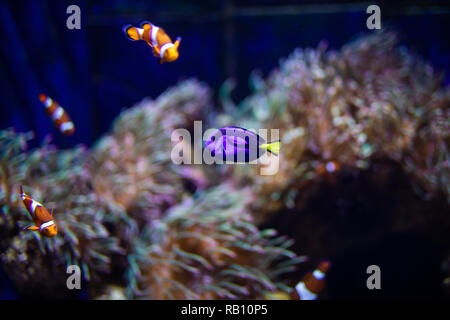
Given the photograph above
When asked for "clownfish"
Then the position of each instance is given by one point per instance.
(59, 116)
(157, 38)
(43, 219)
(312, 283)
(330, 167)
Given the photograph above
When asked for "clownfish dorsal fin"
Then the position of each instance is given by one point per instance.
(145, 24)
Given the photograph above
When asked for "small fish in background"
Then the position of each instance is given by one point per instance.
(329, 167)
(157, 38)
(59, 116)
(312, 283)
(328, 170)
(239, 145)
(43, 220)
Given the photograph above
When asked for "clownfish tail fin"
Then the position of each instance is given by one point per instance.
(131, 32)
(272, 147)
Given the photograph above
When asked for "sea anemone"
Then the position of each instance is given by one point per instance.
(343, 109)
(207, 247)
(60, 180)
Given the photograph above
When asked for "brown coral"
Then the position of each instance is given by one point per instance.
(370, 100)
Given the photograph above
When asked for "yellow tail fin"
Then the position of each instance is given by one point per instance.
(273, 147)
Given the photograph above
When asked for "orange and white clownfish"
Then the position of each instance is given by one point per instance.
(157, 38)
(59, 116)
(330, 167)
(43, 220)
(312, 283)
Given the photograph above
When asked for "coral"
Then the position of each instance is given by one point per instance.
(207, 247)
(359, 128)
(60, 179)
(141, 226)
(111, 201)
(341, 109)
(428, 158)
(132, 165)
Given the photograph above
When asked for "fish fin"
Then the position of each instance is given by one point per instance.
(273, 147)
(31, 228)
(22, 193)
(146, 24)
(177, 43)
(42, 97)
(131, 32)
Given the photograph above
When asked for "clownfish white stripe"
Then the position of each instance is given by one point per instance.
(46, 224)
(48, 102)
(154, 37)
(66, 126)
(319, 275)
(164, 48)
(34, 205)
(304, 293)
(140, 31)
(58, 113)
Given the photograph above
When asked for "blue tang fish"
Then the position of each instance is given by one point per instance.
(239, 145)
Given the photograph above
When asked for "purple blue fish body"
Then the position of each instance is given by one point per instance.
(238, 145)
